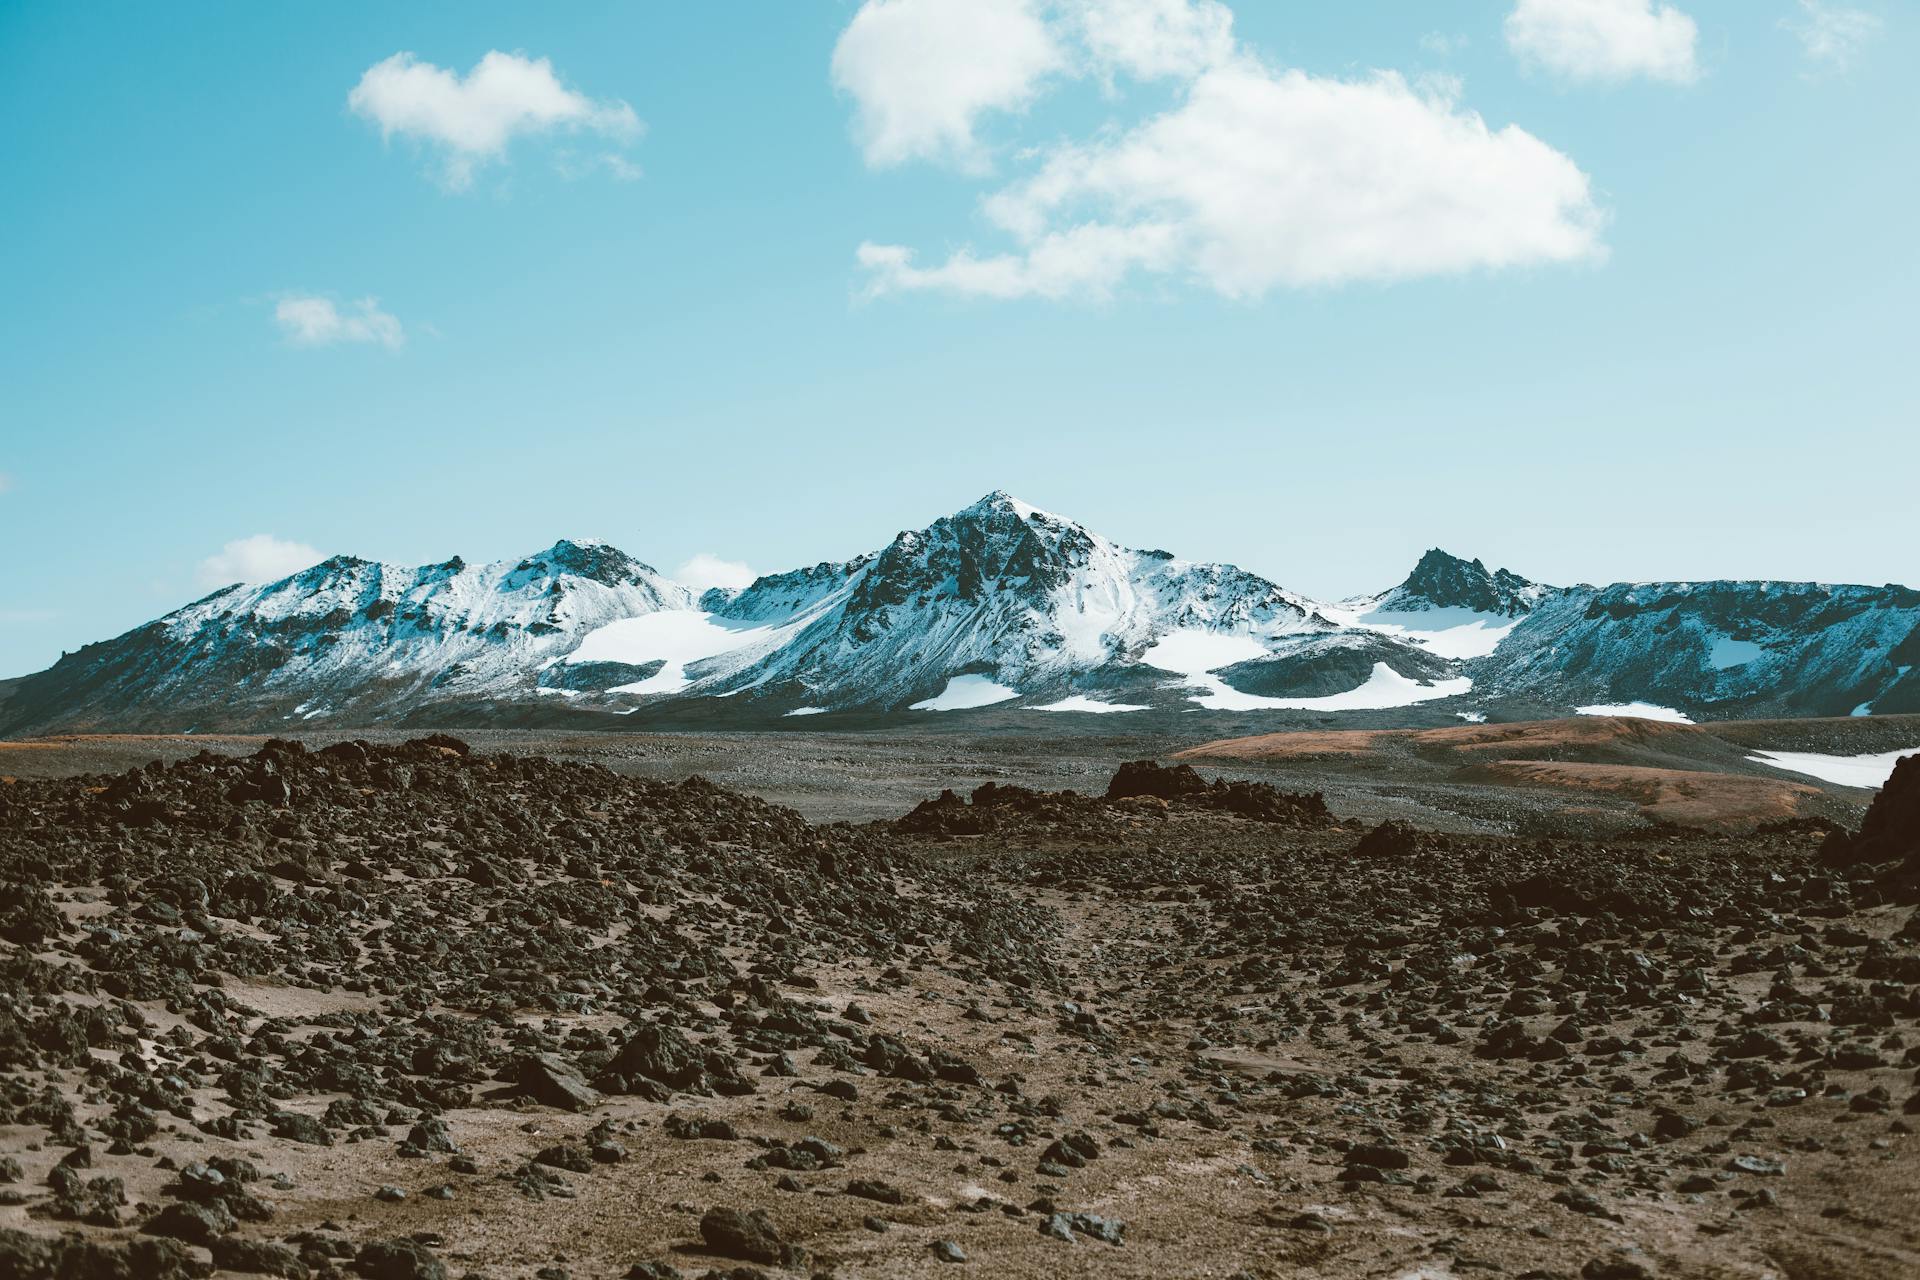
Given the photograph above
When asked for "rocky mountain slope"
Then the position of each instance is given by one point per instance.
(998, 604)
(1715, 649)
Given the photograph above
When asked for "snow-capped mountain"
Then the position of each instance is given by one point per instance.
(349, 639)
(998, 604)
(1003, 590)
(999, 601)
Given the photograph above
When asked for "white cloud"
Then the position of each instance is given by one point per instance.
(1256, 178)
(1604, 40)
(6, 482)
(1831, 36)
(1262, 179)
(261, 558)
(705, 571)
(1088, 260)
(922, 72)
(1154, 39)
(474, 118)
(309, 320)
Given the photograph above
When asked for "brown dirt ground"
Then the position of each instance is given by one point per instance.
(1523, 737)
(1681, 773)
(1717, 801)
(1199, 1202)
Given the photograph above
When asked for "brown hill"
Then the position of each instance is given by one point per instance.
(1522, 739)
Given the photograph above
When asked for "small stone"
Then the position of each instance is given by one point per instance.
(875, 1189)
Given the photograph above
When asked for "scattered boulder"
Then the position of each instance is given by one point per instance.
(749, 1236)
(551, 1081)
(398, 1260)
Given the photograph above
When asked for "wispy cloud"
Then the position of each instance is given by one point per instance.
(260, 558)
(310, 320)
(1605, 40)
(1833, 36)
(574, 166)
(704, 571)
(471, 119)
(6, 482)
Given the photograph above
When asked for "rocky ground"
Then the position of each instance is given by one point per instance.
(865, 776)
(413, 1009)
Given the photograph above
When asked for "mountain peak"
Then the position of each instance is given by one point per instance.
(568, 550)
(1446, 581)
(589, 558)
(1438, 564)
(1002, 501)
(333, 567)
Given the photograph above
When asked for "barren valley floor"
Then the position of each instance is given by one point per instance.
(539, 1006)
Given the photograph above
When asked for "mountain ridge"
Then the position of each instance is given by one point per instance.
(1000, 602)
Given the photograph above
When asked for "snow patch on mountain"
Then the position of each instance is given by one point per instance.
(1197, 655)
(1870, 771)
(965, 692)
(1635, 711)
(1385, 688)
(1444, 632)
(676, 639)
(1194, 653)
(1092, 706)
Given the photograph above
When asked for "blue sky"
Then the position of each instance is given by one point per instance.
(1595, 289)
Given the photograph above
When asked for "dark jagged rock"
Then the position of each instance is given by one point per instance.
(749, 1236)
(1391, 839)
(398, 1260)
(1150, 778)
(257, 1257)
(194, 1223)
(1446, 581)
(663, 1056)
(30, 1257)
(548, 1079)
(999, 807)
(1889, 835)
